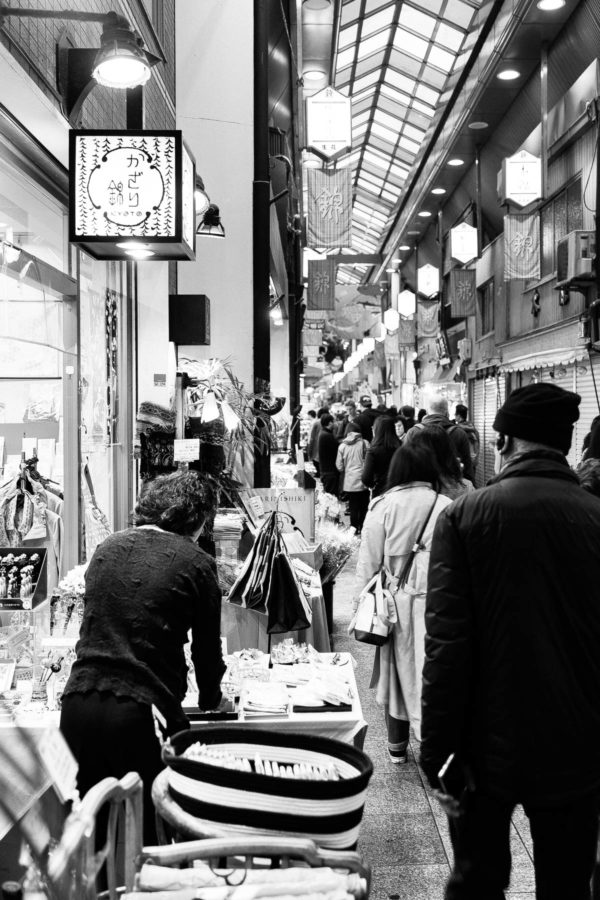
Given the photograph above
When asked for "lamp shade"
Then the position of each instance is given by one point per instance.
(121, 61)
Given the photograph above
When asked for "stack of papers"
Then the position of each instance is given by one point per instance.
(228, 526)
(262, 698)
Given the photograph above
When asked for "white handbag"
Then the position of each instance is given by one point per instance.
(374, 617)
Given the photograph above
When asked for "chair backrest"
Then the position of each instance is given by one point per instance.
(75, 862)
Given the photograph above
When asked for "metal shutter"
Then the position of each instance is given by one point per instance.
(588, 409)
(494, 398)
(477, 416)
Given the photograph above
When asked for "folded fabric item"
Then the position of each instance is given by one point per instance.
(164, 878)
(155, 417)
(240, 893)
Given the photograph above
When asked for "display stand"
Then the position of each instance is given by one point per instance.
(18, 596)
(246, 628)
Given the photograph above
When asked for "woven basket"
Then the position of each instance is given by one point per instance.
(237, 802)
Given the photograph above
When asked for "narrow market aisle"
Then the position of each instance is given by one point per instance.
(404, 834)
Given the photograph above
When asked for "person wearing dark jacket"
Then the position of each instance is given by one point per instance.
(379, 455)
(146, 588)
(366, 418)
(512, 670)
(437, 414)
(327, 450)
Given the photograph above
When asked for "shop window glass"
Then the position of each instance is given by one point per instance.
(561, 215)
(486, 309)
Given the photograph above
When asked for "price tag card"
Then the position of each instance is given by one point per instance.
(187, 449)
(257, 507)
(59, 762)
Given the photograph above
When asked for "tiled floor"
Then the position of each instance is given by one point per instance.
(404, 833)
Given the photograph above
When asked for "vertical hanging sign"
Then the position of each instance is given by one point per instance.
(321, 284)
(521, 247)
(131, 194)
(329, 208)
(329, 123)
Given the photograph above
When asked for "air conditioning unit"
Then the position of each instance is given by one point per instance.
(576, 258)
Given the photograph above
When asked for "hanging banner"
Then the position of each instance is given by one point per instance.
(462, 292)
(521, 247)
(329, 222)
(321, 284)
(427, 318)
(406, 333)
(521, 178)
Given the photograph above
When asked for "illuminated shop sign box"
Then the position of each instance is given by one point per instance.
(132, 194)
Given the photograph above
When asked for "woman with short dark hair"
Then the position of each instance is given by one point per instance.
(145, 589)
(390, 530)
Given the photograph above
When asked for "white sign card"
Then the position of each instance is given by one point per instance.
(329, 123)
(186, 449)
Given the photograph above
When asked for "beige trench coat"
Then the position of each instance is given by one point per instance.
(391, 527)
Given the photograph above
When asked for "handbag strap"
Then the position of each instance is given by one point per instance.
(416, 546)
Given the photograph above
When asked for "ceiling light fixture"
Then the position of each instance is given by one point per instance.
(424, 214)
(413, 232)
(478, 125)
(404, 247)
(438, 190)
(314, 75)
(508, 75)
(549, 5)
(456, 162)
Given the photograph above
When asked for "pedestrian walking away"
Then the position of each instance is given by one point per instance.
(512, 671)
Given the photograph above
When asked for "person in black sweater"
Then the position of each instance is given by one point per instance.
(328, 448)
(145, 589)
(379, 455)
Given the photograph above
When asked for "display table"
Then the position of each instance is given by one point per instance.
(348, 726)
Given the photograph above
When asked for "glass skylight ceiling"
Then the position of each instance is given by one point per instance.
(395, 58)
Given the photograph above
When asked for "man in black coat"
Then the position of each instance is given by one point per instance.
(511, 682)
(328, 448)
(437, 414)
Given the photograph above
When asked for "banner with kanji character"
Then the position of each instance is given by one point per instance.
(406, 332)
(329, 218)
(321, 284)
(427, 318)
(521, 247)
(462, 292)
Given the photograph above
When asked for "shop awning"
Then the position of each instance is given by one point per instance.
(446, 374)
(544, 359)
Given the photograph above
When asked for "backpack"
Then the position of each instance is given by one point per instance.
(473, 439)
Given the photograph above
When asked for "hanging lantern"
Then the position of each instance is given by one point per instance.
(369, 344)
(391, 319)
(210, 410)
(379, 332)
(407, 303)
(230, 418)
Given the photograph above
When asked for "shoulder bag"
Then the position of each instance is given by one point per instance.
(375, 614)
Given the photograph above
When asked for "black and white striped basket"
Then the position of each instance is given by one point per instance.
(247, 803)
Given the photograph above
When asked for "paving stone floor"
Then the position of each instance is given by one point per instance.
(404, 833)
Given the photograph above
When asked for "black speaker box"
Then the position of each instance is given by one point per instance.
(189, 319)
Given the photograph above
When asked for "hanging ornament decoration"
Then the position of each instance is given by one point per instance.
(230, 418)
(210, 410)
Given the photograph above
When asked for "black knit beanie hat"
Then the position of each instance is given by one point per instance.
(543, 413)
